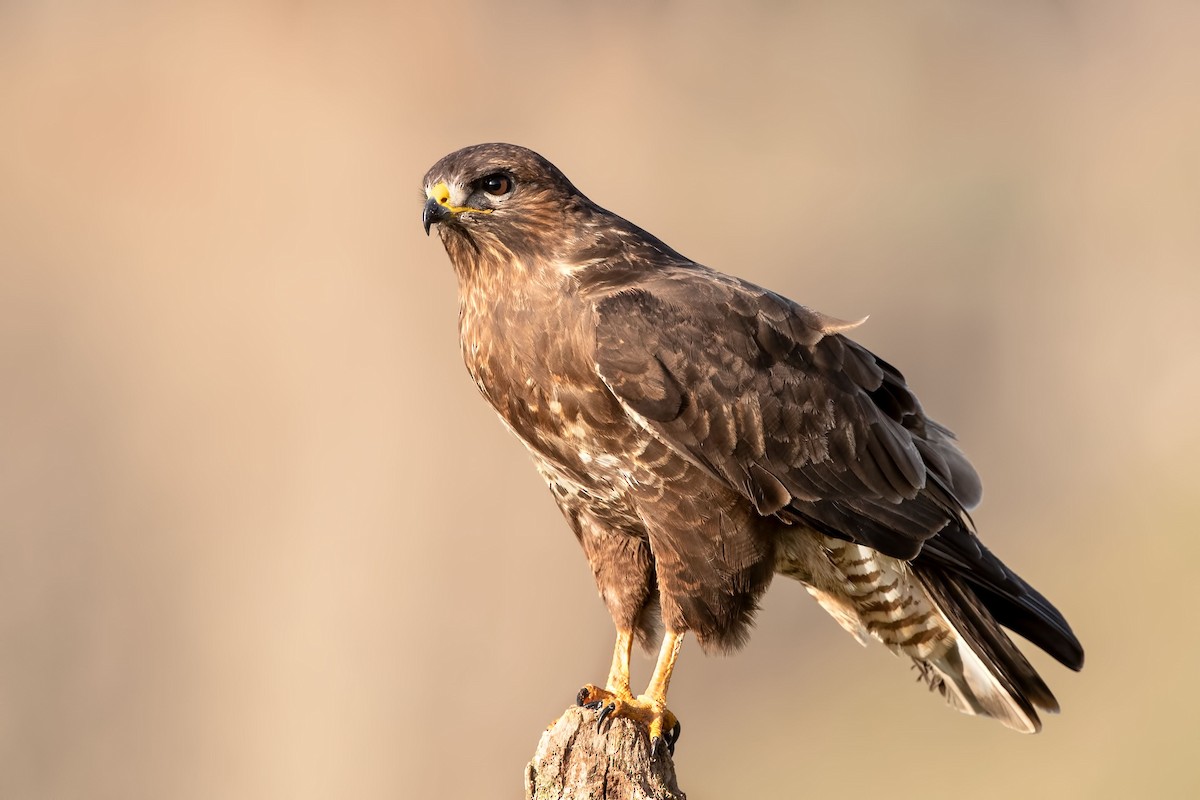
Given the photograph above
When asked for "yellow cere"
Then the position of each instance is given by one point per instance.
(441, 193)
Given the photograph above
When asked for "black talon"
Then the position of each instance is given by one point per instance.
(604, 712)
(594, 705)
(673, 736)
(583, 695)
(656, 746)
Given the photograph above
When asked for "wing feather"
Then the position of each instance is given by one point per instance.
(807, 425)
(751, 386)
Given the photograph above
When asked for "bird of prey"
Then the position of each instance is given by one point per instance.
(702, 434)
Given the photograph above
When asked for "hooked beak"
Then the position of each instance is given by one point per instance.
(434, 212)
(440, 204)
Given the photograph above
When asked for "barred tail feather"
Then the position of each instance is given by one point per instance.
(983, 672)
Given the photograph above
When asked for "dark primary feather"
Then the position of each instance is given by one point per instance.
(961, 604)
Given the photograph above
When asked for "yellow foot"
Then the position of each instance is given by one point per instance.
(655, 716)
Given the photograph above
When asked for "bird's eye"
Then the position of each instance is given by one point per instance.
(497, 184)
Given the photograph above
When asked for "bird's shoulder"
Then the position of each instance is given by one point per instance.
(694, 321)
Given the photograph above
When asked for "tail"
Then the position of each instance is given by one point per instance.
(944, 610)
(983, 672)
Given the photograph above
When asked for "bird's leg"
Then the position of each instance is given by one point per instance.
(664, 727)
(650, 708)
(618, 674)
(617, 685)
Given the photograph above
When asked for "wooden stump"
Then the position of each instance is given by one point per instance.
(574, 761)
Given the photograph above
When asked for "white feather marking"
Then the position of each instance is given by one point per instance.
(973, 689)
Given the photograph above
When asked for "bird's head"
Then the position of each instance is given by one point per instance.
(496, 197)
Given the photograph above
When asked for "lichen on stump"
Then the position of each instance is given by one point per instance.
(575, 761)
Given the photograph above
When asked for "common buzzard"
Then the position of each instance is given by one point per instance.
(702, 434)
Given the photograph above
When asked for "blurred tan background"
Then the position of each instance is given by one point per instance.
(259, 536)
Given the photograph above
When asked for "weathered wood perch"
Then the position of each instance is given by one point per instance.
(574, 761)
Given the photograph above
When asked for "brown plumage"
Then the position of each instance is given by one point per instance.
(702, 434)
